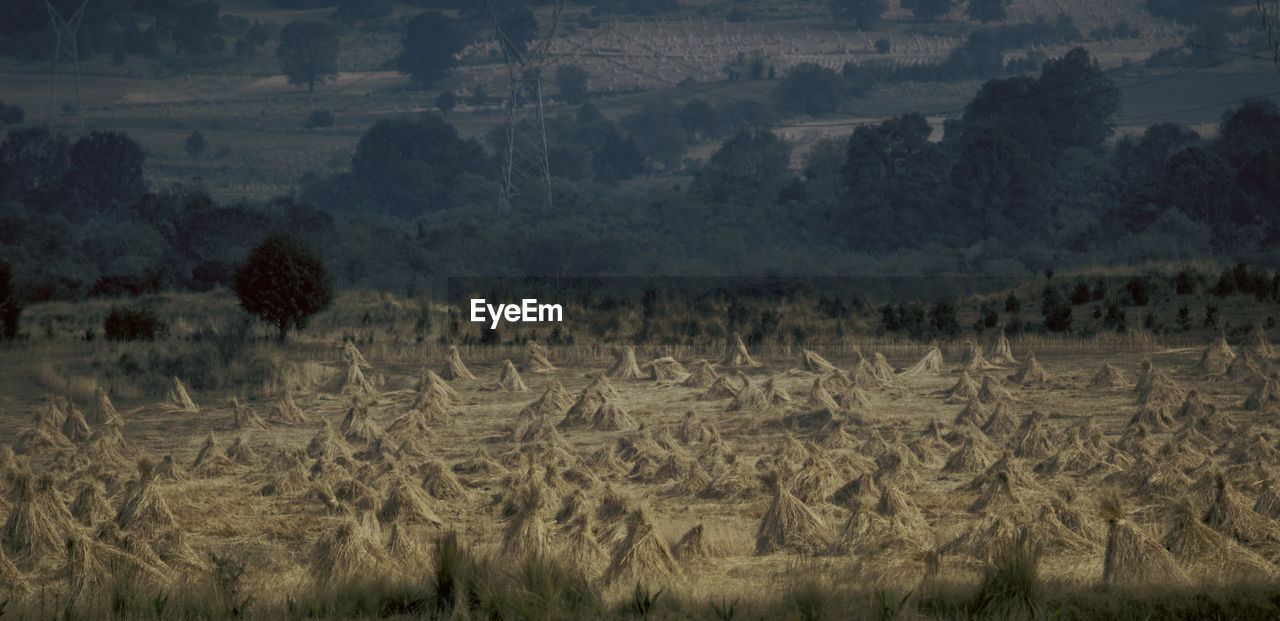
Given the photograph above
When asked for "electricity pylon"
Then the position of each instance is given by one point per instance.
(524, 157)
(65, 49)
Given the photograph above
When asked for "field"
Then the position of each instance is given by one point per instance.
(896, 474)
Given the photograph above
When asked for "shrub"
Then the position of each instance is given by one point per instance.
(283, 282)
(11, 114)
(883, 46)
(195, 145)
(1139, 290)
(319, 118)
(131, 323)
(1183, 284)
(1056, 311)
(1080, 295)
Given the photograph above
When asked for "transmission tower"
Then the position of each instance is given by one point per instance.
(525, 165)
(65, 50)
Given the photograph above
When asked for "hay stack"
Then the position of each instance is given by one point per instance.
(1001, 422)
(525, 535)
(997, 496)
(692, 545)
(789, 524)
(1208, 553)
(39, 523)
(351, 355)
(1227, 516)
(984, 539)
(883, 372)
(454, 369)
(245, 418)
(1268, 503)
(103, 413)
(581, 549)
(1131, 557)
(1245, 368)
(1154, 416)
(91, 507)
(970, 458)
(1216, 357)
(702, 376)
(358, 426)
(895, 505)
(774, 393)
(407, 503)
(1193, 408)
(625, 367)
(356, 385)
(11, 580)
(536, 360)
(326, 443)
(433, 391)
(239, 453)
(964, 390)
(75, 428)
(145, 511)
(1030, 373)
(814, 363)
(610, 417)
(285, 412)
(666, 369)
(930, 364)
(1001, 352)
(1265, 396)
(815, 481)
(352, 552)
(748, 398)
(1165, 479)
(696, 430)
(582, 413)
(643, 557)
(1033, 439)
(1155, 386)
(973, 361)
(735, 354)
(992, 391)
(178, 398)
(1108, 377)
(973, 414)
(1051, 535)
(820, 399)
(509, 380)
(864, 376)
(1258, 344)
(719, 389)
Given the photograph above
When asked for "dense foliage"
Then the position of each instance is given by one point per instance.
(283, 282)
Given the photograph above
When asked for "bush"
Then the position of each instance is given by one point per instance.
(284, 283)
(11, 114)
(133, 324)
(883, 46)
(1056, 311)
(1080, 295)
(319, 118)
(1183, 284)
(1139, 290)
(10, 310)
(195, 145)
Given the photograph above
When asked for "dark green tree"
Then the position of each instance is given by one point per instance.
(519, 28)
(927, 10)
(809, 88)
(572, 81)
(986, 11)
(195, 145)
(31, 159)
(197, 28)
(106, 170)
(284, 283)
(446, 102)
(866, 14)
(308, 52)
(430, 41)
(748, 167)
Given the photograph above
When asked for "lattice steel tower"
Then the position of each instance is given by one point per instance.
(65, 50)
(525, 166)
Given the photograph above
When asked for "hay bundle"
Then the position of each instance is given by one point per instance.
(406, 549)
(625, 366)
(789, 524)
(1216, 357)
(820, 399)
(702, 376)
(855, 400)
(1108, 377)
(411, 424)
(1245, 368)
(692, 545)
(103, 412)
(40, 441)
(1033, 439)
(643, 557)
(1001, 352)
(211, 463)
(601, 387)
(245, 418)
(1193, 407)
(356, 385)
(536, 358)
(1203, 549)
(433, 391)
(748, 398)
(352, 552)
(696, 430)
(177, 397)
(1048, 532)
(832, 436)
(858, 491)
(665, 369)
(897, 465)
(358, 426)
(145, 510)
(610, 417)
(407, 503)
(1154, 416)
(1268, 503)
(11, 580)
(1131, 557)
(973, 360)
(930, 364)
(992, 391)
(240, 453)
(1157, 387)
(75, 428)
(735, 354)
(965, 389)
(454, 369)
(983, 539)
(289, 474)
(583, 412)
(997, 496)
(970, 458)
(1258, 344)
(1164, 479)
(1001, 422)
(719, 389)
(973, 414)
(895, 505)
(508, 380)
(326, 443)
(815, 481)
(1073, 457)
(90, 506)
(285, 412)
(774, 393)
(581, 549)
(864, 376)
(1030, 373)
(814, 363)
(731, 483)
(440, 483)
(39, 523)
(480, 465)
(1265, 396)
(1229, 517)
(883, 372)
(554, 401)
(351, 355)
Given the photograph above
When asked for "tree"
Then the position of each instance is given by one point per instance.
(519, 27)
(283, 282)
(986, 11)
(195, 145)
(927, 10)
(748, 167)
(1078, 101)
(866, 14)
(356, 10)
(10, 310)
(810, 88)
(446, 102)
(430, 41)
(308, 52)
(31, 159)
(572, 82)
(106, 170)
(196, 29)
